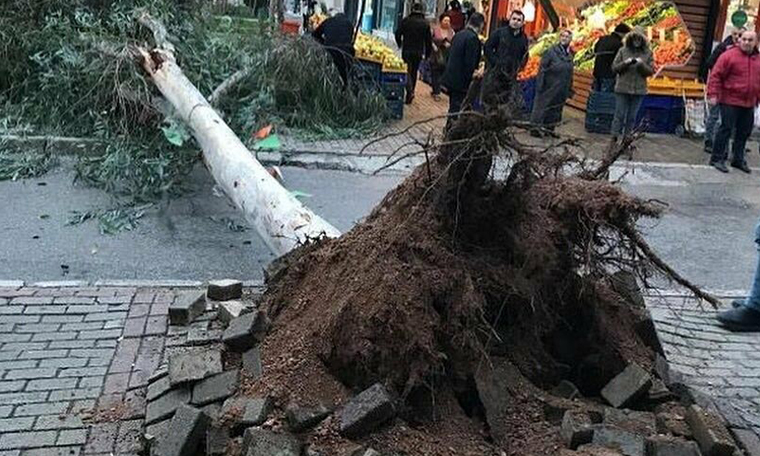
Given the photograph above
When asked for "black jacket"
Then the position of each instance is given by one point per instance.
(506, 51)
(719, 49)
(413, 36)
(605, 51)
(336, 32)
(464, 58)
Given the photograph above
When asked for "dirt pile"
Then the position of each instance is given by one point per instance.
(454, 274)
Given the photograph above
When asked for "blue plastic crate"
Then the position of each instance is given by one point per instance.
(393, 78)
(393, 91)
(528, 87)
(601, 103)
(659, 120)
(364, 69)
(662, 102)
(598, 122)
(396, 109)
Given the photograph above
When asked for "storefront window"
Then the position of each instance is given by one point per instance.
(388, 15)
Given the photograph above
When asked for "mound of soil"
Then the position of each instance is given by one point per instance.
(457, 277)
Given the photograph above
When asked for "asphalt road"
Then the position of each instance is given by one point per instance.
(706, 233)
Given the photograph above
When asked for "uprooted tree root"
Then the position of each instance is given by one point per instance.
(458, 277)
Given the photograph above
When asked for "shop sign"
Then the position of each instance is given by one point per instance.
(739, 18)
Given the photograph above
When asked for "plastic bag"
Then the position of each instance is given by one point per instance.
(695, 115)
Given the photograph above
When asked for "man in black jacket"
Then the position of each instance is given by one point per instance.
(337, 35)
(506, 52)
(605, 51)
(416, 42)
(713, 111)
(464, 59)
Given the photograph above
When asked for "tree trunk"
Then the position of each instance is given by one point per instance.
(278, 217)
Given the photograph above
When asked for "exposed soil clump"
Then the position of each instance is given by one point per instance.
(458, 282)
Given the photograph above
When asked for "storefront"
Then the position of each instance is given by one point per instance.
(677, 32)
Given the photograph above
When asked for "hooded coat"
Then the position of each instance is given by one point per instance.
(632, 77)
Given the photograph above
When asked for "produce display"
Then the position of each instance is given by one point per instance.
(371, 48)
(669, 39)
(316, 19)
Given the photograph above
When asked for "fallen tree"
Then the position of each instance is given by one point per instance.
(278, 217)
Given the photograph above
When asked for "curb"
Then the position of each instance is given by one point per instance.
(166, 283)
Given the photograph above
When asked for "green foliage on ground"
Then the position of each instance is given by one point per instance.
(68, 68)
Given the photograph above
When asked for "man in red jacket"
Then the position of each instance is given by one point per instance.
(735, 85)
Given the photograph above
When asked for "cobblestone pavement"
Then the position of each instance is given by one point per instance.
(723, 364)
(75, 359)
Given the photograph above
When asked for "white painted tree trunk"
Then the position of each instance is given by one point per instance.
(278, 217)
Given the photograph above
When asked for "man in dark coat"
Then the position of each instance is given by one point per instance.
(464, 59)
(554, 84)
(713, 111)
(337, 35)
(506, 52)
(416, 42)
(605, 51)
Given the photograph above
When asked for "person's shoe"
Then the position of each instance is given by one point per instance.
(436, 97)
(741, 318)
(409, 99)
(742, 166)
(720, 166)
(736, 303)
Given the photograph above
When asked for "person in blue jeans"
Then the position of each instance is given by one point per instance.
(633, 64)
(745, 315)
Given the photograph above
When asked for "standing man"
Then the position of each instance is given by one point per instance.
(415, 40)
(734, 84)
(713, 112)
(745, 315)
(605, 51)
(336, 33)
(464, 59)
(506, 52)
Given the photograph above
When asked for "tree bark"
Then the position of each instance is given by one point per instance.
(278, 217)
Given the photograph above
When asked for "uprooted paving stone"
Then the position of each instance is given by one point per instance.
(244, 332)
(577, 429)
(230, 310)
(224, 290)
(627, 386)
(263, 442)
(711, 434)
(671, 446)
(643, 423)
(303, 418)
(215, 388)
(194, 365)
(247, 411)
(187, 307)
(252, 363)
(628, 443)
(367, 411)
(186, 431)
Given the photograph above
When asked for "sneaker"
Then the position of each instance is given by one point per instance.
(742, 166)
(720, 166)
(742, 319)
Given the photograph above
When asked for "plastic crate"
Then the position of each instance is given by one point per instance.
(598, 122)
(365, 69)
(601, 103)
(396, 109)
(426, 73)
(528, 87)
(392, 77)
(393, 91)
(660, 114)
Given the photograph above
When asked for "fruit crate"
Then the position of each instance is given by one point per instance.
(393, 77)
(369, 70)
(396, 108)
(393, 91)
(661, 114)
(676, 87)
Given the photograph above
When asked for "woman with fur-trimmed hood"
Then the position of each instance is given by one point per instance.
(633, 64)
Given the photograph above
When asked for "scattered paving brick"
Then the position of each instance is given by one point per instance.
(246, 331)
(187, 307)
(712, 436)
(252, 363)
(186, 430)
(230, 310)
(263, 442)
(194, 365)
(224, 290)
(303, 418)
(214, 388)
(164, 406)
(627, 386)
(366, 411)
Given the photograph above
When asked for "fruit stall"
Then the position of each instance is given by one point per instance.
(675, 31)
(378, 67)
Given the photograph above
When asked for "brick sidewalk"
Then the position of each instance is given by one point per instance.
(75, 361)
(723, 364)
